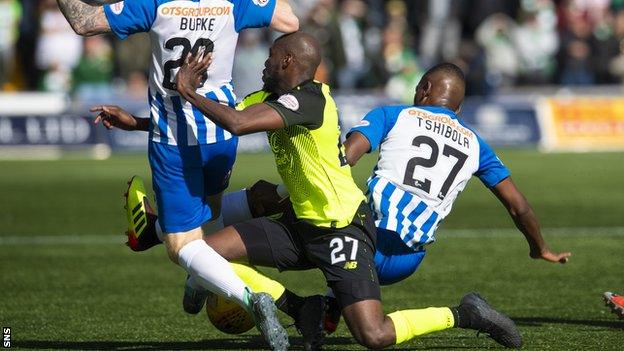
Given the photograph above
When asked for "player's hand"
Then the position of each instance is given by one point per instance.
(264, 200)
(114, 116)
(550, 256)
(192, 74)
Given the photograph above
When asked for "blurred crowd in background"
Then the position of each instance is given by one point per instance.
(372, 44)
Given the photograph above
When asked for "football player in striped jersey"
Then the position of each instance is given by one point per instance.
(427, 155)
(191, 158)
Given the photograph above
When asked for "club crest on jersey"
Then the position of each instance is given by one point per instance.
(261, 3)
(289, 101)
(117, 7)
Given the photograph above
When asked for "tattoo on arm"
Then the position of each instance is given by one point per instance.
(85, 20)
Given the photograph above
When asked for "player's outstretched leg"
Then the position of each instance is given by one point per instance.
(141, 217)
(615, 302)
(194, 296)
(310, 322)
(264, 312)
(478, 315)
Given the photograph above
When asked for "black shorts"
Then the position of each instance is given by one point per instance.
(346, 256)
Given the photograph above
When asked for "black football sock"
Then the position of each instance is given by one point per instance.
(333, 307)
(290, 303)
(462, 320)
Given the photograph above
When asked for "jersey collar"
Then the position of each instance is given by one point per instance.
(303, 84)
(438, 109)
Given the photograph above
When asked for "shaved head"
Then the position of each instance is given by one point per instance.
(443, 85)
(293, 59)
(305, 49)
(446, 68)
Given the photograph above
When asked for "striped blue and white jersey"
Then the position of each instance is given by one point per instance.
(426, 157)
(177, 27)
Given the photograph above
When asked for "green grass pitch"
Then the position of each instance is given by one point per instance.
(67, 281)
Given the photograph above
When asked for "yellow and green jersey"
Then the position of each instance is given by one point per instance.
(309, 156)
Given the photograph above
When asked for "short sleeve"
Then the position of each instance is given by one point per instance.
(129, 17)
(372, 127)
(491, 170)
(253, 13)
(300, 107)
(254, 98)
(377, 124)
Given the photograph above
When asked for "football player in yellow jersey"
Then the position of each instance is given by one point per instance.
(334, 230)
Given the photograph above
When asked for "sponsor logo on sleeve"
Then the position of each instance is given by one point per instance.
(261, 3)
(117, 7)
(289, 101)
(362, 123)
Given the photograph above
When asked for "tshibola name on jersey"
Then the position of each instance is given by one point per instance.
(444, 126)
(196, 18)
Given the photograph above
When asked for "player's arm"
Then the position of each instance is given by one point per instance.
(284, 19)
(115, 117)
(366, 136)
(526, 221)
(85, 20)
(255, 118)
(356, 146)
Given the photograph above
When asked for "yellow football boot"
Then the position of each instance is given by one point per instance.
(141, 217)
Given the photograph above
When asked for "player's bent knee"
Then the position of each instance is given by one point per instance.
(374, 339)
(367, 323)
(174, 242)
(173, 255)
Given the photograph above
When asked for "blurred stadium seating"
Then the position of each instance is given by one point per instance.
(517, 56)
